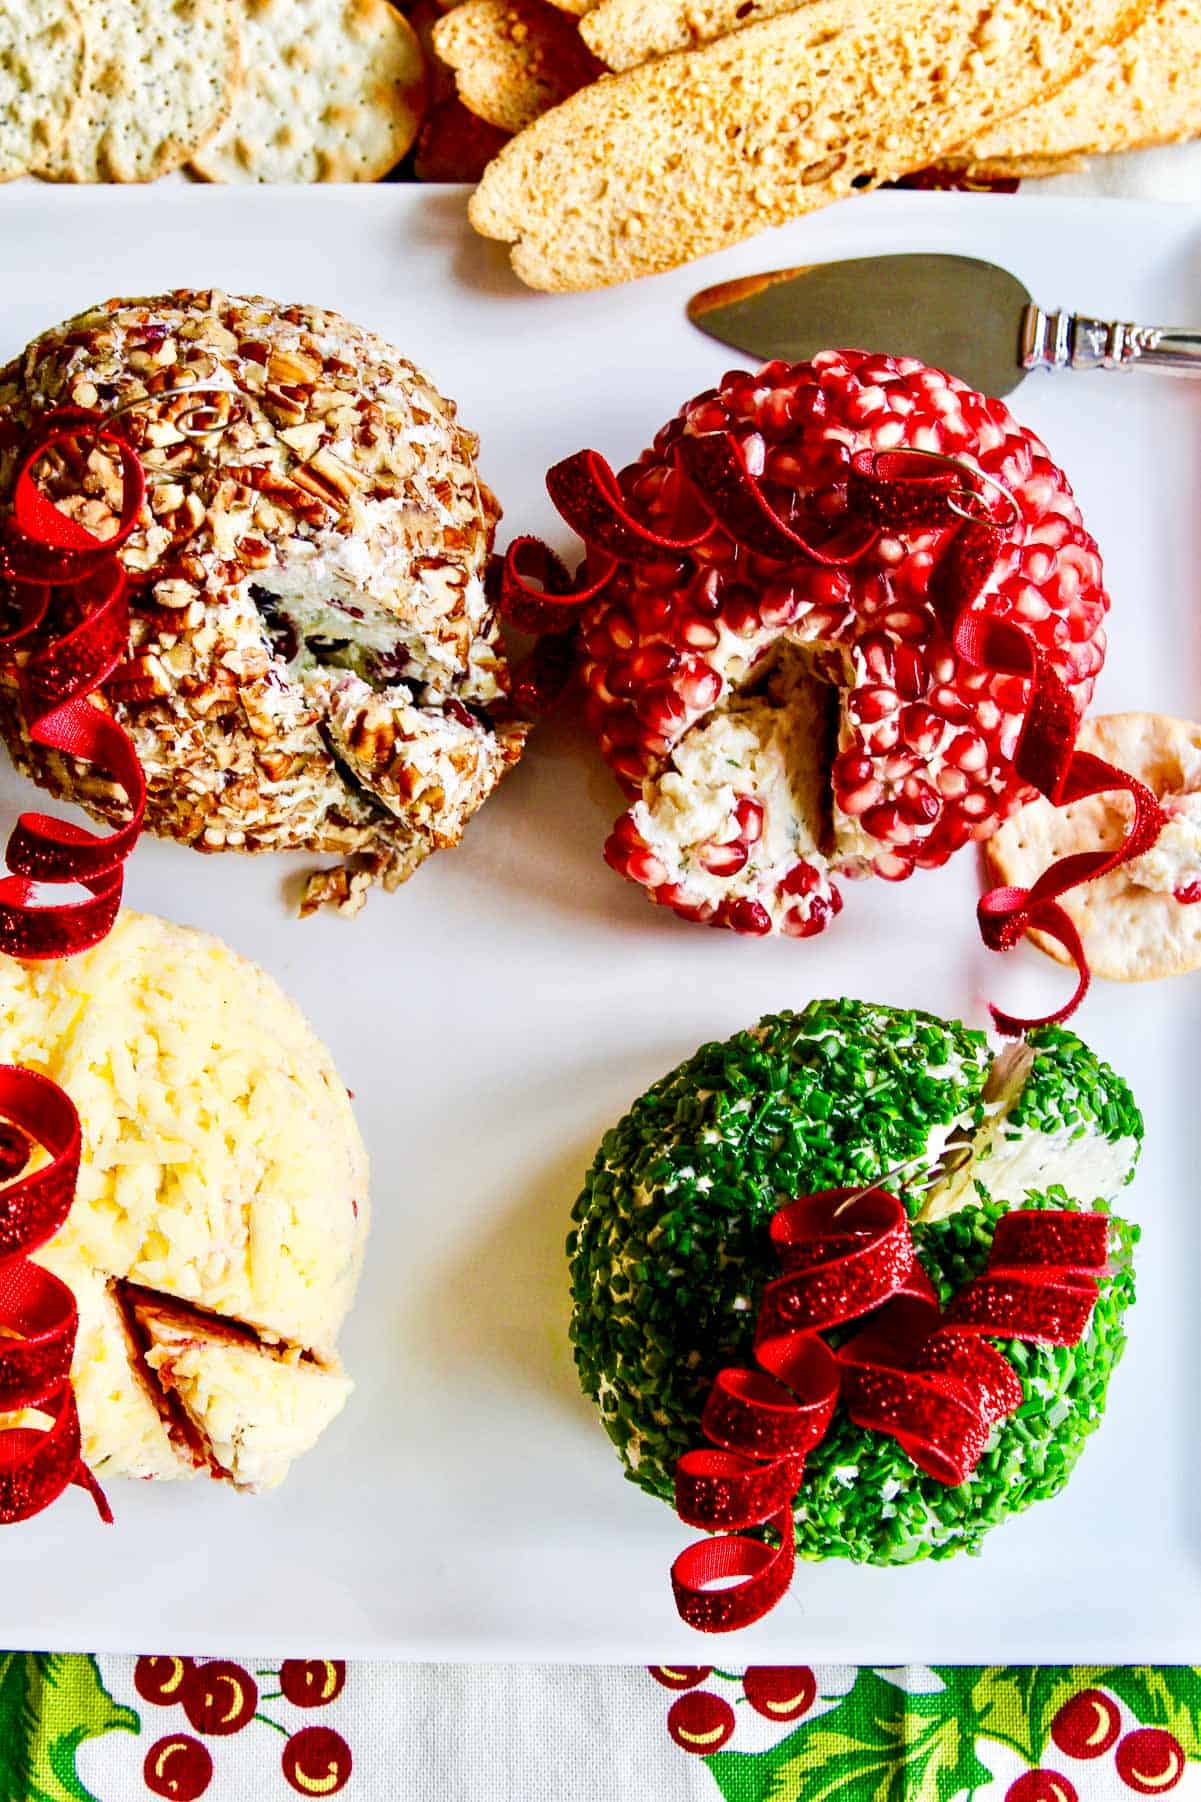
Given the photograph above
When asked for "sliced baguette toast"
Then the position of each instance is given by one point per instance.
(642, 171)
(624, 33)
(513, 59)
(1140, 92)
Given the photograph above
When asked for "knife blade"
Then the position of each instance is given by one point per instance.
(958, 313)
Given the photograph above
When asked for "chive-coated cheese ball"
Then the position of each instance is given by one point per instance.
(670, 1250)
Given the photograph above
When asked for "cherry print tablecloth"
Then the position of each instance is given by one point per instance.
(126, 1730)
(75, 1728)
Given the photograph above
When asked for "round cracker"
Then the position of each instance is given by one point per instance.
(43, 63)
(1130, 934)
(162, 81)
(334, 91)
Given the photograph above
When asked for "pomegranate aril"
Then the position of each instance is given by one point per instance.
(749, 814)
(1188, 894)
(700, 689)
(921, 729)
(888, 824)
(858, 801)
(910, 674)
(919, 803)
(723, 860)
(670, 894)
(619, 628)
(699, 634)
(746, 916)
(967, 752)
(741, 612)
(645, 867)
(869, 705)
(662, 710)
(654, 662)
(891, 867)
(852, 768)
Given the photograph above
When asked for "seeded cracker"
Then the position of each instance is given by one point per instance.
(43, 60)
(1133, 927)
(162, 77)
(332, 92)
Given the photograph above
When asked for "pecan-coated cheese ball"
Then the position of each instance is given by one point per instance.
(313, 661)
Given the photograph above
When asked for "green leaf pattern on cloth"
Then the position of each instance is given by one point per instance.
(49, 1704)
(955, 1733)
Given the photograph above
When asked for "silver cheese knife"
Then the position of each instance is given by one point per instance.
(958, 313)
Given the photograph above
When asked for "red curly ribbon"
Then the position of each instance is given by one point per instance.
(39, 1310)
(44, 552)
(537, 592)
(927, 1380)
(716, 467)
(1046, 757)
(1041, 1279)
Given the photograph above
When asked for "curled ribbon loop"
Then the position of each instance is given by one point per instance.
(1046, 757)
(926, 1379)
(844, 1253)
(45, 551)
(37, 1311)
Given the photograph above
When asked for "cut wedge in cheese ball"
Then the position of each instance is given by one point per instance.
(1142, 920)
(671, 1254)
(218, 1228)
(781, 722)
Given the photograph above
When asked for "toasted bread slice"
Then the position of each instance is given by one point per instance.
(1140, 92)
(513, 59)
(642, 171)
(624, 33)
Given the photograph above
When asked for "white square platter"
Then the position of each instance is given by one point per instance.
(497, 1014)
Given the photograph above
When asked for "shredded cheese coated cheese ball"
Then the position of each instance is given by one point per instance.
(218, 1227)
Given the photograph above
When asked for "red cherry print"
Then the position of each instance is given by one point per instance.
(316, 1761)
(700, 1722)
(220, 1697)
(178, 1767)
(312, 1682)
(780, 1692)
(1041, 1786)
(162, 1678)
(1150, 1761)
(679, 1676)
(1088, 1725)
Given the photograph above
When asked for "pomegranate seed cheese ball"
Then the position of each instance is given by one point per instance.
(214, 1244)
(313, 662)
(784, 711)
(676, 1245)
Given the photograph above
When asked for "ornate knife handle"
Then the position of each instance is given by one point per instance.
(1070, 341)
